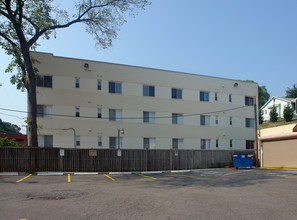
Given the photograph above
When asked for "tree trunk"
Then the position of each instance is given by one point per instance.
(32, 103)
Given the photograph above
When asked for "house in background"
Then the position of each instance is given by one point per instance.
(280, 104)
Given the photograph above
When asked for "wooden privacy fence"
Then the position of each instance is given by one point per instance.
(18, 159)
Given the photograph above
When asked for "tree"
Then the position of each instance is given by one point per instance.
(8, 128)
(288, 113)
(4, 142)
(273, 114)
(263, 95)
(22, 23)
(291, 93)
(261, 118)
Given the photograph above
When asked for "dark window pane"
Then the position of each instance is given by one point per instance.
(111, 86)
(112, 142)
(99, 85)
(48, 141)
(152, 91)
(40, 111)
(48, 81)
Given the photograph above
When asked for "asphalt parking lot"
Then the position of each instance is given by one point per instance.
(199, 194)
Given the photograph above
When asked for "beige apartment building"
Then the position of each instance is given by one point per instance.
(157, 109)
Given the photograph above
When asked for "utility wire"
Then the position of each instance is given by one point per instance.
(92, 117)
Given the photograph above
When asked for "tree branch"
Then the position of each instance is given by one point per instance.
(8, 39)
(77, 20)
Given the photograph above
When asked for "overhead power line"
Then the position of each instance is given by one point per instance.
(92, 117)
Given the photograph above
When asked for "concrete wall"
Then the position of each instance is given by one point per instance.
(64, 97)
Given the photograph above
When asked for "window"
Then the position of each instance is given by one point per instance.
(98, 84)
(148, 90)
(149, 143)
(77, 112)
(249, 101)
(44, 81)
(148, 117)
(231, 143)
(205, 120)
(177, 143)
(76, 82)
(113, 142)
(265, 112)
(217, 143)
(99, 113)
(230, 121)
(45, 140)
(250, 144)
(205, 144)
(115, 87)
(77, 140)
(217, 120)
(176, 93)
(204, 96)
(99, 141)
(249, 123)
(115, 115)
(230, 98)
(45, 111)
(177, 118)
(216, 96)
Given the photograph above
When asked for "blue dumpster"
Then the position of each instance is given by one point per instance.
(243, 160)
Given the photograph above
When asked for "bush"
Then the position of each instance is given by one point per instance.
(288, 113)
(4, 142)
(273, 114)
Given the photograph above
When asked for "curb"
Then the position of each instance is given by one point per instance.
(9, 174)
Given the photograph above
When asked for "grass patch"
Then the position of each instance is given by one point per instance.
(280, 122)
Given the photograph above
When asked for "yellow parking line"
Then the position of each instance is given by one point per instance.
(23, 178)
(179, 175)
(146, 176)
(109, 177)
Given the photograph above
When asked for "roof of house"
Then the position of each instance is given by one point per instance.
(288, 100)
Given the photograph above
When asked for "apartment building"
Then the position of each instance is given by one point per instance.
(85, 104)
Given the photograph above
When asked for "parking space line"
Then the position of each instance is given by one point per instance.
(109, 177)
(179, 175)
(23, 178)
(146, 176)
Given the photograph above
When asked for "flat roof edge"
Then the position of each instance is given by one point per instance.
(126, 65)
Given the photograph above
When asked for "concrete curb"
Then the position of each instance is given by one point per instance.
(120, 173)
(86, 173)
(9, 174)
(150, 172)
(49, 174)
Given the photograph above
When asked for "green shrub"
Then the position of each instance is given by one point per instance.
(8, 142)
(273, 114)
(261, 118)
(288, 113)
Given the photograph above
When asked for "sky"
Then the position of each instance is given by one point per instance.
(236, 39)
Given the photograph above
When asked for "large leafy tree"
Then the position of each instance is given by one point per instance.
(263, 95)
(23, 22)
(8, 128)
(292, 92)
